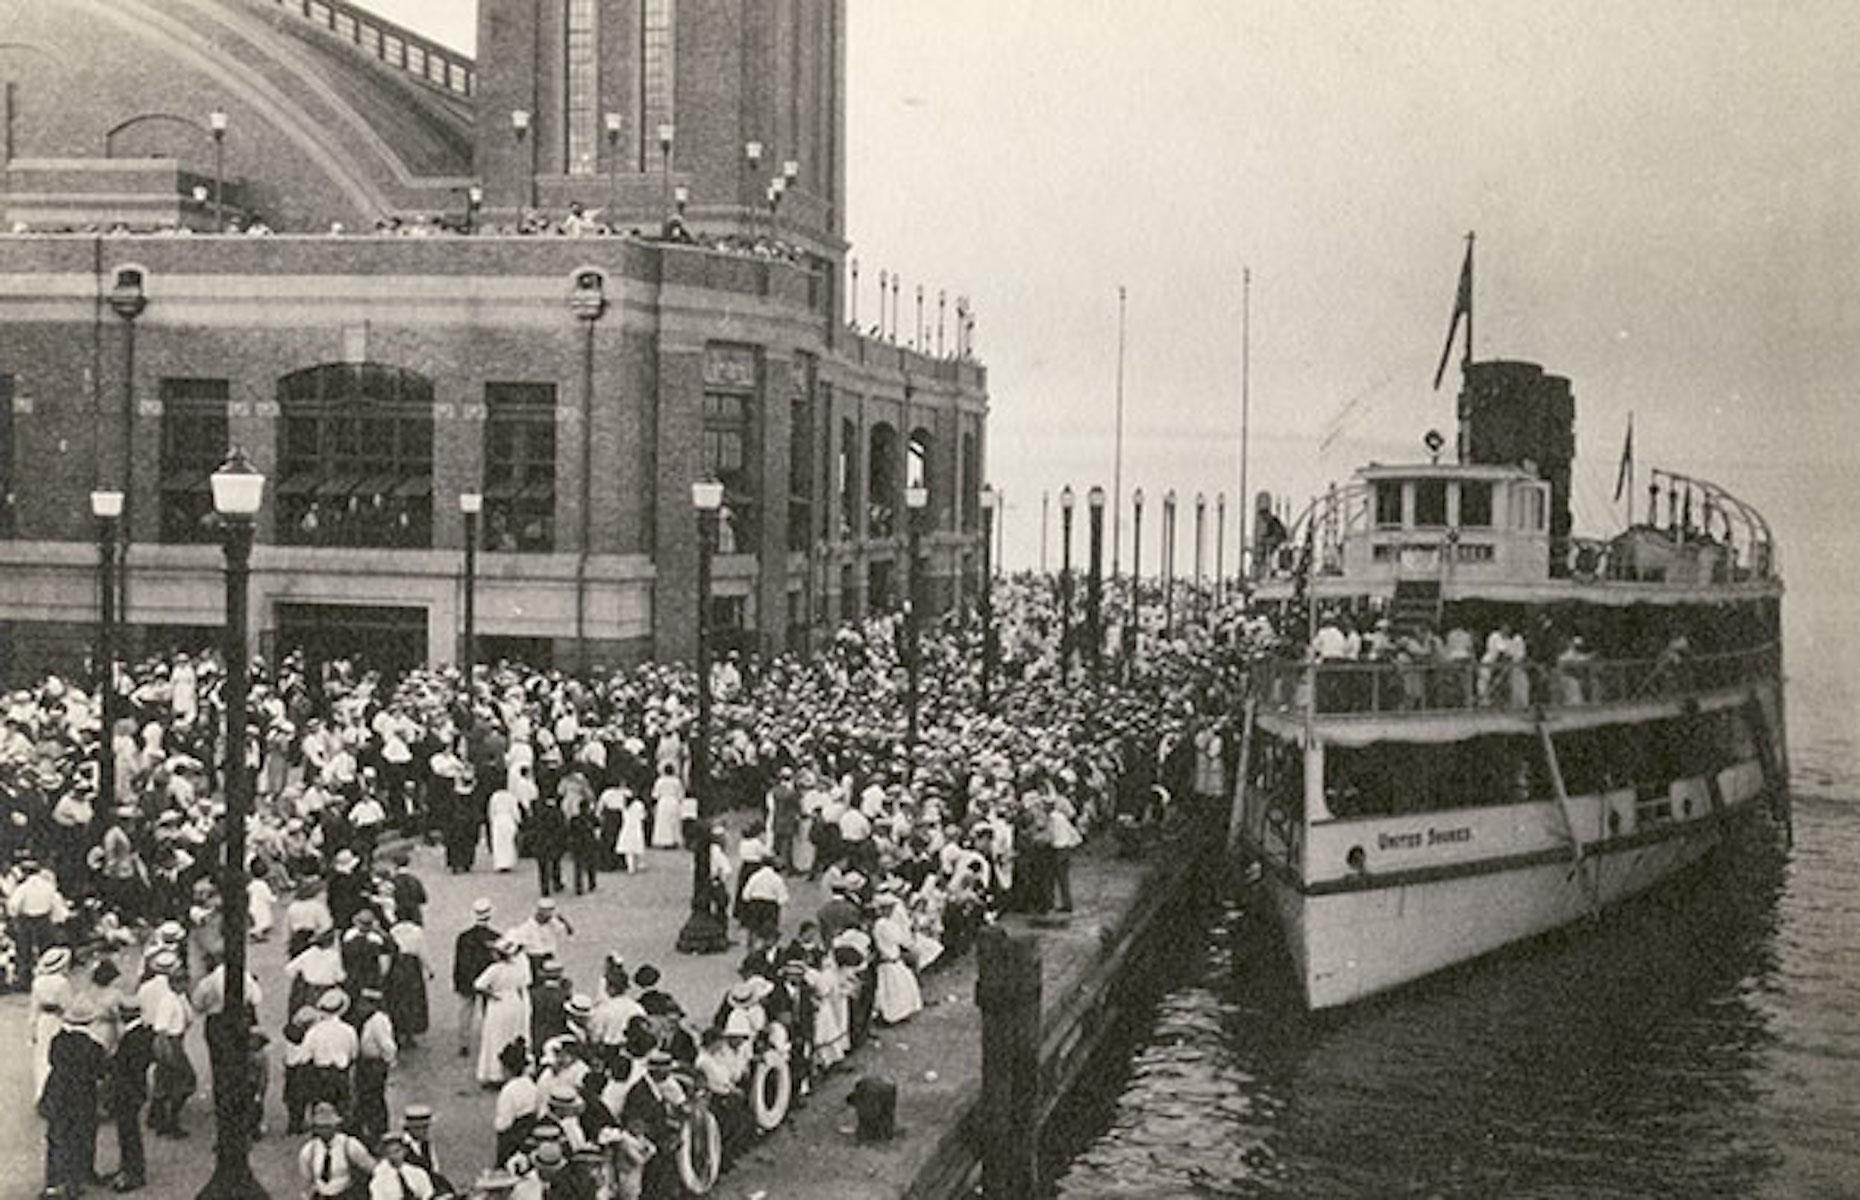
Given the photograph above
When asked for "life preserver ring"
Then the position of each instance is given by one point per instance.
(771, 1089)
(700, 1152)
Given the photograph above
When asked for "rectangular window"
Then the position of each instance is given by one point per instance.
(1476, 505)
(355, 449)
(320, 13)
(519, 467)
(656, 49)
(395, 51)
(1430, 503)
(193, 445)
(345, 26)
(371, 40)
(7, 507)
(1530, 512)
(1388, 504)
(582, 87)
(416, 60)
(801, 473)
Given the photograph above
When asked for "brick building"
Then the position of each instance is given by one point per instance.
(580, 384)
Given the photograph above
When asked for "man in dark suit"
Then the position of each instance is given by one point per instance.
(79, 1066)
(129, 1090)
(471, 954)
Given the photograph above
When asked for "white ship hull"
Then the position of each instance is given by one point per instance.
(1444, 888)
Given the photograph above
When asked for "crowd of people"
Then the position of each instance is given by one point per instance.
(112, 914)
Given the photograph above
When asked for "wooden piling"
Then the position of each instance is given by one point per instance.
(1007, 990)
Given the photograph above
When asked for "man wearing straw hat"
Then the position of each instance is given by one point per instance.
(69, 1104)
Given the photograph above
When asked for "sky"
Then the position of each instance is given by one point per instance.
(1663, 195)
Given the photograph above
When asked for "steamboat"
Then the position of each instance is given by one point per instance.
(1497, 727)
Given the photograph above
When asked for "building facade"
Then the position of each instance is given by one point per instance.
(580, 384)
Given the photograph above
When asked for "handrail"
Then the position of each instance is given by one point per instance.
(428, 62)
(1349, 688)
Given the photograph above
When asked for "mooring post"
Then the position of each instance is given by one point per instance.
(1007, 990)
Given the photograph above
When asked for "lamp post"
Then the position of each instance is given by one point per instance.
(127, 301)
(474, 200)
(916, 499)
(988, 593)
(470, 504)
(1168, 560)
(667, 131)
(1220, 546)
(702, 932)
(107, 507)
(1094, 583)
(752, 155)
(613, 125)
(1136, 579)
(238, 490)
(520, 126)
(1045, 520)
(1065, 582)
(681, 196)
(1201, 517)
(216, 125)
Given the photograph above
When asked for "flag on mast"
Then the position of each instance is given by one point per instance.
(1624, 475)
(1462, 307)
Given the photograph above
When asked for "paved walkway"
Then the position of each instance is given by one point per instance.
(636, 916)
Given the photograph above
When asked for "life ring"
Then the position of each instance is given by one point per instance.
(771, 1089)
(700, 1151)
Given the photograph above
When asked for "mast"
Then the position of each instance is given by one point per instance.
(1466, 362)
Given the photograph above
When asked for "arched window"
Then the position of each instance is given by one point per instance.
(849, 478)
(355, 457)
(881, 493)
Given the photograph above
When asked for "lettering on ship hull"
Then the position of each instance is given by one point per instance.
(1415, 839)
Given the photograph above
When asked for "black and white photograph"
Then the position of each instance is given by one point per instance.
(929, 600)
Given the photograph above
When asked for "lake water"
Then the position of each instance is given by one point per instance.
(1702, 1041)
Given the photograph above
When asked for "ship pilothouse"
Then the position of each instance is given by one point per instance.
(1481, 724)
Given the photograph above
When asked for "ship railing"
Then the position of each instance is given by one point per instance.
(1340, 688)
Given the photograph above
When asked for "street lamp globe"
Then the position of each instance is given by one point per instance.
(988, 498)
(666, 133)
(216, 121)
(238, 488)
(1095, 498)
(753, 152)
(916, 497)
(707, 495)
(1136, 497)
(471, 503)
(106, 505)
(1065, 498)
(520, 121)
(612, 120)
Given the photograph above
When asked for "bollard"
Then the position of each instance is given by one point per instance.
(1007, 990)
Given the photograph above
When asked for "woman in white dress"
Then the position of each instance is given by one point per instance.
(668, 795)
(801, 851)
(505, 986)
(898, 998)
(830, 1013)
(631, 846)
(503, 813)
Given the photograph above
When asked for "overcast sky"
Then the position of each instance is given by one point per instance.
(1662, 191)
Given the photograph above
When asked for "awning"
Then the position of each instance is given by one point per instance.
(336, 486)
(503, 489)
(538, 490)
(414, 485)
(297, 485)
(185, 481)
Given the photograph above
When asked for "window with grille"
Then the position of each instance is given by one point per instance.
(849, 478)
(355, 457)
(581, 87)
(193, 445)
(800, 454)
(657, 45)
(882, 492)
(519, 467)
(731, 375)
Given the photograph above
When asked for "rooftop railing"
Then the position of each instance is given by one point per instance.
(1347, 688)
(426, 61)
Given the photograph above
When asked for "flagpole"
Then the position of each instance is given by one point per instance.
(1246, 363)
(1466, 362)
(1117, 463)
